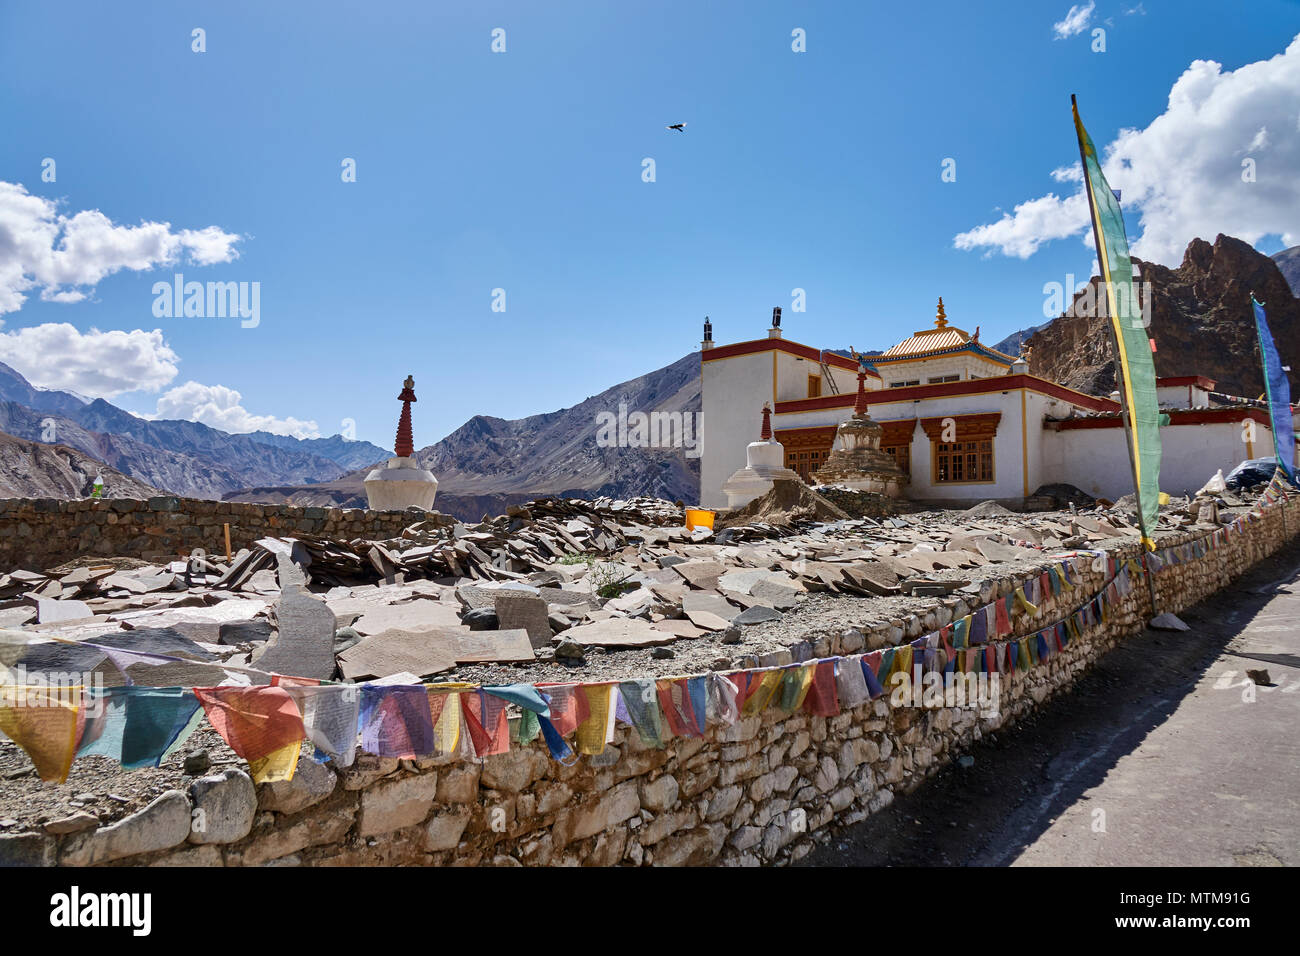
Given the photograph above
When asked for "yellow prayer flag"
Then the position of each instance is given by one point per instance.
(277, 765)
(43, 721)
(767, 689)
(591, 732)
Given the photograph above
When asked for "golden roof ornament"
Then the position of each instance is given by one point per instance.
(940, 320)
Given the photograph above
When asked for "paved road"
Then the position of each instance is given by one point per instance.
(1156, 745)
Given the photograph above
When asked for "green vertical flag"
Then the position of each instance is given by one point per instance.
(1137, 369)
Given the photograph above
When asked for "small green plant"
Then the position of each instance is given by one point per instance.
(607, 580)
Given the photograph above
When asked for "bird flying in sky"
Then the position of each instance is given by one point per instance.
(680, 127)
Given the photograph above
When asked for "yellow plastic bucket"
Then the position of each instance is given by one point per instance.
(698, 518)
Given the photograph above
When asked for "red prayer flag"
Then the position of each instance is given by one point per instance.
(823, 699)
(255, 721)
(489, 726)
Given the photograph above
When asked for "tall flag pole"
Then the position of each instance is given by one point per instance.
(1278, 391)
(1134, 367)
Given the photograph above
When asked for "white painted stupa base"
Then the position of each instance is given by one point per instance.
(763, 465)
(399, 485)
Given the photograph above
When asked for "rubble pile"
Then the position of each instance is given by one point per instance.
(548, 584)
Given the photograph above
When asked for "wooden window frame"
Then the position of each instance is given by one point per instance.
(814, 386)
(935, 453)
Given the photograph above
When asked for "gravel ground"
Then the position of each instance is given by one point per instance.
(96, 785)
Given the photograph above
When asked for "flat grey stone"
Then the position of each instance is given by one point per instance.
(163, 824)
(513, 646)
(146, 640)
(47, 611)
(415, 615)
(708, 620)
(701, 574)
(312, 782)
(678, 627)
(562, 596)
(756, 615)
(528, 612)
(617, 632)
(27, 849)
(473, 595)
(780, 596)
(17, 616)
(303, 646)
(709, 601)
(288, 574)
(423, 653)
(744, 579)
(224, 807)
(244, 632)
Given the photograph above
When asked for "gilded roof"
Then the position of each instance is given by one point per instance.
(942, 338)
(928, 340)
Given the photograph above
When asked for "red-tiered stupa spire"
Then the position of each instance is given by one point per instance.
(405, 444)
(860, 403)
(766, 433)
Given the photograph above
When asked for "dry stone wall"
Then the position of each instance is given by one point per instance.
(39, 533)
(754, 793)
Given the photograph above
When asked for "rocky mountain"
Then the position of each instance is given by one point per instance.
(183, 457)
(1288, 260)
(1201, 321)
(489, 463)
(178, 473)
(253, 459)
(15, 388)
(1011, 344)
(33, 470)
(349, 453)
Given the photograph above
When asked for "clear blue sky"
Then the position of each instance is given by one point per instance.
(522, 171)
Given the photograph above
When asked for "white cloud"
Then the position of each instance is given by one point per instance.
(220, 407)
(1068, 174)
(64, 257)
(1075, 22)
(1181, 177)
(94, 363)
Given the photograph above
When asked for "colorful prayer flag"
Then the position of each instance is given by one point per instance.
(1278, 390)
(1136, 366)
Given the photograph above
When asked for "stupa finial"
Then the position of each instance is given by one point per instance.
(404, 446)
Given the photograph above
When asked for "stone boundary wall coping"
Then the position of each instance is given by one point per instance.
(38, 533)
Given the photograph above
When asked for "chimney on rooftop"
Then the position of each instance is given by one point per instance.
(707, 343)
(775, 331)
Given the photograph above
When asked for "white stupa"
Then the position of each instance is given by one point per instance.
(764, 464)
(401, 483)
